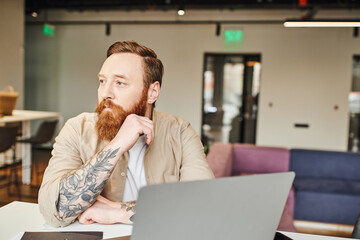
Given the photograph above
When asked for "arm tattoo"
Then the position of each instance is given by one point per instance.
(129, 206)
(79, 190)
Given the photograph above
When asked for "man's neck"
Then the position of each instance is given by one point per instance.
(149, 111)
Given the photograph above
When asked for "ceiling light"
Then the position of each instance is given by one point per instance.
(181, 10)
(322, 23)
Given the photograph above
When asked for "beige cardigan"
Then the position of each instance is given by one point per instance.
(175, 155)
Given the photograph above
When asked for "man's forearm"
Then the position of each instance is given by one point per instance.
(105, 211)
(80, 189)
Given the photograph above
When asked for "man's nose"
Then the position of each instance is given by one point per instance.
(107, 92)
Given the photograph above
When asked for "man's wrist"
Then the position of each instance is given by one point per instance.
(127, 210)
(114, 145)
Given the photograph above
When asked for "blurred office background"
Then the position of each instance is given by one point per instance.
(264, 83)
(231, 69)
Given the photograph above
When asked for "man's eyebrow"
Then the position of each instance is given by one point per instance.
(121, 76)
(115, 75)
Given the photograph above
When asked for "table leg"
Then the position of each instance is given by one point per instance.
(26, 153)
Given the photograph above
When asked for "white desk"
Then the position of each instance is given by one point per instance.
(18, 217)
(301, 236)
(25, 117)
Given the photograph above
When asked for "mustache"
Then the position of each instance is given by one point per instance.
(107, 103)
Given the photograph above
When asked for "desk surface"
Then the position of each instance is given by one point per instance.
(26, 115)
(301, 236)
(18, 217)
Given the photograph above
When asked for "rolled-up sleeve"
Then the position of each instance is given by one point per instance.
(65, 158)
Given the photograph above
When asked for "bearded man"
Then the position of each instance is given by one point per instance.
(100, 160)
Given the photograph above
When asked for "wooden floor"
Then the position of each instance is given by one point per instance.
(24, 192)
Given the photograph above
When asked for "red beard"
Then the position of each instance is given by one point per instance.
(109, 122)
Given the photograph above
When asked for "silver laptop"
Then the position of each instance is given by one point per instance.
(246, 207)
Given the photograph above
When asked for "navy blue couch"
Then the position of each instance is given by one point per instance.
(326, 196)
(327, 185)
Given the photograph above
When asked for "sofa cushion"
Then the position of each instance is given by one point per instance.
(255, 159)
(327, 185)
(286, 222)
(325, 164)
(326, 207)
(219, 159)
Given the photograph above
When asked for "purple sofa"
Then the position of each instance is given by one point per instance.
(226, 159)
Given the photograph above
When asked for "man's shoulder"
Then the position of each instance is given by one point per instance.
(170, 124)
(169, 119)
(83, 118)
(82, 125)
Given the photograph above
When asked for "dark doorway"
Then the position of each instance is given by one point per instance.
(231, 88)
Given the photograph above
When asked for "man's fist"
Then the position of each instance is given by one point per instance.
(105, 211)
(131, 129)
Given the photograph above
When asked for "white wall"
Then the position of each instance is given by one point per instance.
(305, 72)
(305, 78)
(11, 47)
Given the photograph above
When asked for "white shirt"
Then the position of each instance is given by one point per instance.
(135, 178)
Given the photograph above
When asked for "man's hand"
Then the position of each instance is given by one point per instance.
(131, 129)
(105, 211)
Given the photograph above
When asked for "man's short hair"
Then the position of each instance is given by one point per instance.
(153, 67)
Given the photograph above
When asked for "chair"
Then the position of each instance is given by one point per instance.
(226, 159)
(356, 231)
(43, 135)
(7, 142)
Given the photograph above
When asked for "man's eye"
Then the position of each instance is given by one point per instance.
(102, 81)
(119, 83)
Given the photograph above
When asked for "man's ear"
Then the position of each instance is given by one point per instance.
(153, 92)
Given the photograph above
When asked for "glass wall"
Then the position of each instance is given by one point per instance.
(230, 98)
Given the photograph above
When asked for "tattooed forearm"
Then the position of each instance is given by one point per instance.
(79, 190)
